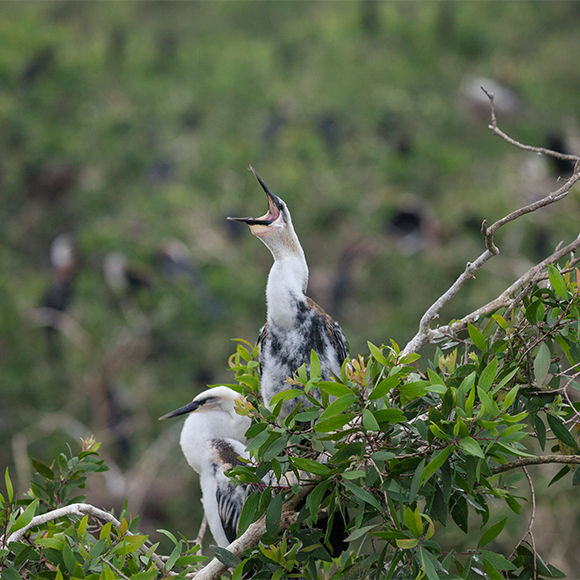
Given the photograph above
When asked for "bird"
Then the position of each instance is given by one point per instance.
(295, 324)
(213, 441)
(64, 263)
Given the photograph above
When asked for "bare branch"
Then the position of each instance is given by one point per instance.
(425, 334)
(497, 131)
(202, 528)
(76, 509)
(505, 299)
(529, 531)
(523, 461)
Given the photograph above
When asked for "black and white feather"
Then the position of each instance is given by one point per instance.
(295, 325)
(213, 441)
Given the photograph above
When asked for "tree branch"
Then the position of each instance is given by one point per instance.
(425, 334)
(523, 461)
(76, 509)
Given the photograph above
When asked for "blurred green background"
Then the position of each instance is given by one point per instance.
(129, 126)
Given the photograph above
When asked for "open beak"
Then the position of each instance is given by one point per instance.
(274, 207)
(189, 408)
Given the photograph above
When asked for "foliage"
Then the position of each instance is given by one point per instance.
(407, 453)
(71, 545)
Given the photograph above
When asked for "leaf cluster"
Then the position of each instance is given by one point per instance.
(76, 546)
(400, 454)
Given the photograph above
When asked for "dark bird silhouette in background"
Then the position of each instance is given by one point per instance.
(64, 264)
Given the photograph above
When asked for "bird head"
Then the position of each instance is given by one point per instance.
(275, 227)
(217, 399)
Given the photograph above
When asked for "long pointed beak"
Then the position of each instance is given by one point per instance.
(274, 207)
(189, 408)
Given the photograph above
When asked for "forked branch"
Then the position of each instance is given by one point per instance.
(426, 334)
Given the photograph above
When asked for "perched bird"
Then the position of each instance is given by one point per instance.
(64, 263)
(213, 440)
(295, 325)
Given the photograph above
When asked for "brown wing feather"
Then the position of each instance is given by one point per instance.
(333, 329)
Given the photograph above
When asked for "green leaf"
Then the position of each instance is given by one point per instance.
(249, 511)
(315, 498)
(332, 388)
(488, 404)
(369, 421)
(488, 376)
(169, 535)
(416, 481)
(314, 365)
(427, 564)
(107, 573)
(276, 448)
(467, 383)
(501, 321)
(310, 465)
(363, 495)
(274, 514)
(69, 558)
(491, 533)
(469, 403)
(510, 398)
(356, 474)
(407, 544)
(42, 469)
(54, 543)
(338, 406)
(385, 386)
(498, 560)
(9, 488)
(476, 337)
(557, 282)
(334, 423)
(226, 557)
(542, 364)
(471, 446)
(377, 354)
(491, 571)
(560, 431)
(10, 574)
(390, 416)
(25, 517)
(285, 396)
(435, 463)
(360, 532)
(130, 544)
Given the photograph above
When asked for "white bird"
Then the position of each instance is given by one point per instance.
(213, 440)
(295, 325)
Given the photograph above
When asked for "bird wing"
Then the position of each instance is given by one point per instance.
(230, 501)
(335, 333)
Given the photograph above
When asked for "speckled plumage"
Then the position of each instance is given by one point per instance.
(213, 440)
(295, 325)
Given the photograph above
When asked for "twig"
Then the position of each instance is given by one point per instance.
(202, 528)
(523, 461)
(497, 131)
(529, 531)
(114, 568)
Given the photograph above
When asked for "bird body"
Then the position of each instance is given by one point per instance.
(213, 441)
(295, 325)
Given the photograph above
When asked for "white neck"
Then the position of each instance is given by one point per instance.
(286, 287)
